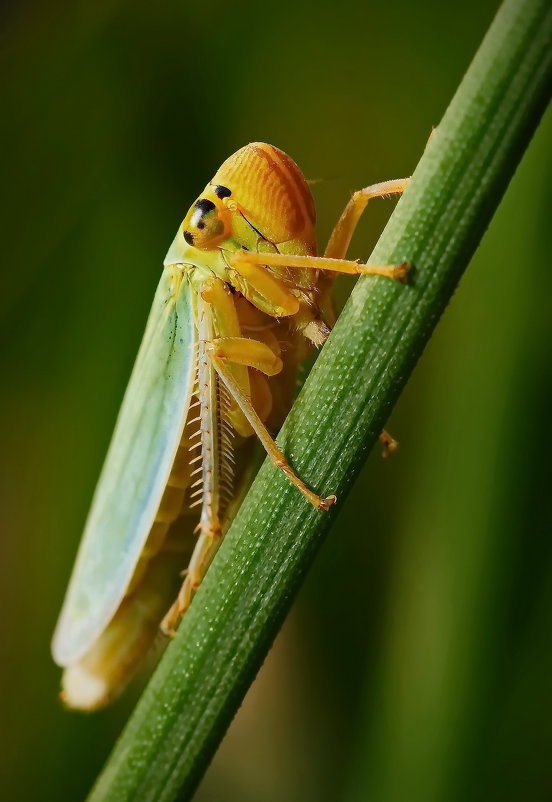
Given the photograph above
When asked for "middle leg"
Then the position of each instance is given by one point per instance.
(270, 446)
(344, 229)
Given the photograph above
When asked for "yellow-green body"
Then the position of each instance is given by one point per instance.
(239, 305)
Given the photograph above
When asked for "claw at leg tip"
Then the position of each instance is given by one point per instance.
(402, 271)
(326, 503)
(168, 630)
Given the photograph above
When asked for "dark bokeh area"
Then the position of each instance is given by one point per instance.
(416, 663)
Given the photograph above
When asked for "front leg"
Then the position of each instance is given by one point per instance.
(243, 261)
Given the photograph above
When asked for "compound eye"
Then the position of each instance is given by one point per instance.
(203, 226)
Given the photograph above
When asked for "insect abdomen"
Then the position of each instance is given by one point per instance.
(170, 508)
(106, 668)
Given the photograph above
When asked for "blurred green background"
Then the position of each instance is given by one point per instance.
(416, 663)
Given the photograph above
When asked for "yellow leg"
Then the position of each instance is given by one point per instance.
(338, 246)
(344, 229)
(240, 259)
(245, 351)
(273, 451)
(204, 551)
(266, 291)
(251, 353)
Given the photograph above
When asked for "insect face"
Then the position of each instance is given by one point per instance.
(208, 221)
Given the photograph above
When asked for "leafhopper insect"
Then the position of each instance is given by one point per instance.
(242, 299)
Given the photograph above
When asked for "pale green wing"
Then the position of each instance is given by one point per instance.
(136, 469)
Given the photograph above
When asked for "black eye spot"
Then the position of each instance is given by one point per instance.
(204, 206)
(189, 238)
(222, 192)
(201, 224)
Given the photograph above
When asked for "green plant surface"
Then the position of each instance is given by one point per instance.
(452, 663)
(374, 347)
